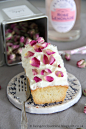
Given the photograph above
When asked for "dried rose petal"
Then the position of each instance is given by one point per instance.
(44, 45)
(81, 63)
(37, 48)
(29, 54)
(33, 42)
(40, 40)
(35, 72)
(35, 62)
(45, 59)
(59, 66)
(51, 60)
(49, 78)
(67, 56)
(49, 52)
(85, 109)
(45, 71)
(59, 74)
(37, 79)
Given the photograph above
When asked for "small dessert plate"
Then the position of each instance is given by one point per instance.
(73, 95)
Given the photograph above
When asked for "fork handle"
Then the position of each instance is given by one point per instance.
(23, 117)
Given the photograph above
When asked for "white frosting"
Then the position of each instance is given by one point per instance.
(54, 67)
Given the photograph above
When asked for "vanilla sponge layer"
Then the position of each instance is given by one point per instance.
(49, 94)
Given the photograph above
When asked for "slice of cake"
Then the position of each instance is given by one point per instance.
(45, 72)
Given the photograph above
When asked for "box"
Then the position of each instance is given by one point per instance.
(20, 21)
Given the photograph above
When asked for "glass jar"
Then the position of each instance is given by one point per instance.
(64, 19)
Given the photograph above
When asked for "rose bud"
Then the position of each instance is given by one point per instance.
(36, 36)
(9, 50)
(84, 92)
(85, 109)
(12, 57)
(22, 39)
(8, 36)
(8, 31)
(81, 63)
(20, 51)
(67, 56)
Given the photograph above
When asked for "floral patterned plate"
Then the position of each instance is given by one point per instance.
(73, 95)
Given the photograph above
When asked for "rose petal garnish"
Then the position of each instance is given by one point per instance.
(44, 45)
(35, 62)
(28, 40)
(45, 59)
(37, 48)
(51, 60)
(40, 40)
(33, 42)
(59, 74)
(49, 52)
(35, 72)
(49, 78)
(29, 54)
(59, 66)
(37, 79)
(45, 71)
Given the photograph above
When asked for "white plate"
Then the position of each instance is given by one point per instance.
(72, 97)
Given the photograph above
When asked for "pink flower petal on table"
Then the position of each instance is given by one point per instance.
(35, 72)
(45, 71)
(59, 74)
(51, 60)
(35, 62)
(45, 59)
(37, 79)
(29, 54)
(49, 52)
(33, 42)
(40, 40)
(49, 78)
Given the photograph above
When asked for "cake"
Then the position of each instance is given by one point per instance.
(45, 71)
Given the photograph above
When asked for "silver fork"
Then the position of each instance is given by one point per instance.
(23, 92)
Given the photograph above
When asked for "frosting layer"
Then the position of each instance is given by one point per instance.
(58, 71)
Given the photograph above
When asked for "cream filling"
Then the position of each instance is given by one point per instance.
(39, 55)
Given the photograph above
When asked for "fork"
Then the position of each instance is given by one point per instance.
(23, 92)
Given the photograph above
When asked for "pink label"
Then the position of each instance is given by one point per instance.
(63, 15)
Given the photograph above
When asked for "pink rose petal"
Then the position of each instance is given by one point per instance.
(45, 59)
(49, 78)
(40, 40)
(35, 72)
(37, 48)
(37, 79)
(33, 42)
(35, 62)
(44, 45)
(59, 66)
(49, 52)
(29, 54)
(51, 60)
(59, 74)
(45, 71)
